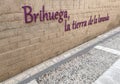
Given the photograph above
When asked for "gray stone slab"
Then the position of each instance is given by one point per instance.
(113, 42)
(111, 76)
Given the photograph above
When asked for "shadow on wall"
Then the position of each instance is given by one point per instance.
(114, 23)
(119, 19)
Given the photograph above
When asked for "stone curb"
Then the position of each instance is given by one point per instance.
(35, 72)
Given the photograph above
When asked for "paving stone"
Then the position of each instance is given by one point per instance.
(111, 76)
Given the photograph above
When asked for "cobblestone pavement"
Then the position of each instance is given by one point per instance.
(84, 69)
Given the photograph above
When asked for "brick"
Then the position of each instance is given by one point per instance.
(56, 4)
(4, 42)
(35, 40)
(23, 43)
(30, 48)
(4, 48)
(6, 34)
(66, 5)
(48, 4)
(15, 39)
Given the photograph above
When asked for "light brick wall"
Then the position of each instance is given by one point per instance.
(25, 45)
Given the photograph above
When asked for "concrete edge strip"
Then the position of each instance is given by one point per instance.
(35, 72)
(33, 82)
(111, 76)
